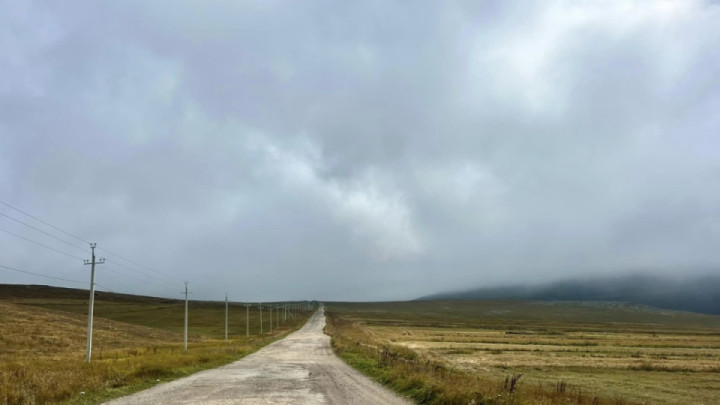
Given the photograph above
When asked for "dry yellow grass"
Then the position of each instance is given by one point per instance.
(33, 331)
(490, 348)
(639, 367)
(42, 355)
(595, 352)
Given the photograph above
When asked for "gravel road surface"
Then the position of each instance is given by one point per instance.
(300, 369)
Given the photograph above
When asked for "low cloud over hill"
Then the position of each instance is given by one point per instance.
(698, 294)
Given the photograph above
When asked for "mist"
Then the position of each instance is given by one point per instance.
(697, 293)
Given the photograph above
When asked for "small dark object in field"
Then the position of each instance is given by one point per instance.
(561, 387)
(510, 384)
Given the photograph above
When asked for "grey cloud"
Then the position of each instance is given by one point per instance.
(368, 151)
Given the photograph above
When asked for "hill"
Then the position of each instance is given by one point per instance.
(39, 291)
(698, 294)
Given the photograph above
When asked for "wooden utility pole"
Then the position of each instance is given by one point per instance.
(91, 305)
(226, 317)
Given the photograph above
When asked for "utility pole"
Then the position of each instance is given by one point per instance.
(260, 310)
(91, 305)
(186, 317)
(226, 316)
(247, 320)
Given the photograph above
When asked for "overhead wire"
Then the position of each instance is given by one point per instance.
(139, 264)
(41, 231)
(44, 222)
(81, 259)
(40, 244)
(55, 278)
(42, 275)
(143, 298)
(159, 282)
(105, 288)
(114, 262)
(150, 276)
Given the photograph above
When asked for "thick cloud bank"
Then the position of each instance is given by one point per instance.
(375, 150)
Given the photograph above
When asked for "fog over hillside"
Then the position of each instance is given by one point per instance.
(697, 294)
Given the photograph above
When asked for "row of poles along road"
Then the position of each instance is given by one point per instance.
(282, 310)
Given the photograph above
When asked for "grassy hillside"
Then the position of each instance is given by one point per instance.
(137, 343)
(520, 352)
(206, 319)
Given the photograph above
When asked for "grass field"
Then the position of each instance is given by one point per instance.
(591, 353)
(137, 343)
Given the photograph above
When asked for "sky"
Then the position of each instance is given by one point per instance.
(373, 150)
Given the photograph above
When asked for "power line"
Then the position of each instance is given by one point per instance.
(125, 274)
(46, 233)
(137, 271)
(41, 275)
(79, 258)
(160, 282)
(77, 247)
(139, 264)
(40, 244)
(105, 288)
(116, 263)
(44, 222)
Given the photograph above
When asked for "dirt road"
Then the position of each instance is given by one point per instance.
(300, 369)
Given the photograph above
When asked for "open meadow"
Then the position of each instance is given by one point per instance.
(137, 342)
(532, 352)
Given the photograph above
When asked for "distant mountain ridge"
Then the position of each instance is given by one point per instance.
(696, 294)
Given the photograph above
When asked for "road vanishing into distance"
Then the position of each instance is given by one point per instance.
(299, 369)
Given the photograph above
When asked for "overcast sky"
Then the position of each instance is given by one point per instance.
(358, 150)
